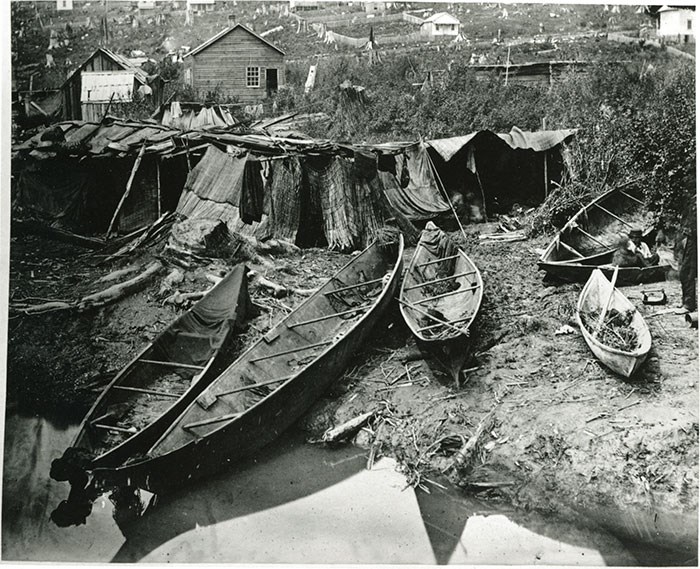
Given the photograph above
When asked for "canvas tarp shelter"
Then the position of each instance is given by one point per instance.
(494, 171)
(410, 185)
(303, 196)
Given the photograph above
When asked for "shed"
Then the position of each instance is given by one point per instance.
(62, 5)
(236, 62)
(102, 69)
(676, 24)
(440, 24)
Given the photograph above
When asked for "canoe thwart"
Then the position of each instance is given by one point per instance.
(211, 421)
(426, 263)
(631, 197)
(611, 214)
(291, 351)
(451, 293)
(570, 249)
(353, 286)
(328, 316)
(207, 399)
(114, 428)
(171, 364)
(434, 281)
(435, 318)
(147, 391)
(457, 321)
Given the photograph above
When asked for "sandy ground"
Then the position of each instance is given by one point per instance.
(557, 431)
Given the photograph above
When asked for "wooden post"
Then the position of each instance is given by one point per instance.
(137, 163)
(507, 65)
(158, 184)
(546, 176)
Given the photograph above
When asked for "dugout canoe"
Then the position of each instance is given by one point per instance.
(594, 299)
(273, 383)
(153, 389)
(588, 240)
(440, 296)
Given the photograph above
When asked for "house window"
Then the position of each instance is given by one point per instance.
(252, 77)
(690, 24)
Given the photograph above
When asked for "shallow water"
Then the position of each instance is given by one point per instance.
(294, 503)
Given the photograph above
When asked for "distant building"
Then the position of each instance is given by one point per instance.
(64, 5)
(104, 77)
(201, 5)
(301, 5)
(676, 24)
(146, 4)
(440, 24)
(377, 7)
(236, 62)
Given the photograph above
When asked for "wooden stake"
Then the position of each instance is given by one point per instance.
(137, 163)
(158, 185)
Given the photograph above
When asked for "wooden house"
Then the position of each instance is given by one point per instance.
(676, 24)
(63, 5)
(236, 62)
(440, 25)
(106, 76)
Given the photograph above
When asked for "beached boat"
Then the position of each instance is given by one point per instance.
(273, 383)
(149, 393)
(621, 339)
(589, 238)
(440, 297)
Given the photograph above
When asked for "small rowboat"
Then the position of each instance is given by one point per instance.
(145, 397)
(589, 238)
(273, 383)
(440, 297)
(621, 339)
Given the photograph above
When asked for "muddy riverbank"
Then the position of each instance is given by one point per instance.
(558, 431)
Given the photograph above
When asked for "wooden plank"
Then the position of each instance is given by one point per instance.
(328, 316)
(171, 364)
(291, 351)
(610, 213)
(437, 260)
(356, 285)
(458, 275)
(451, 293)
(147, 391)
(137, 163)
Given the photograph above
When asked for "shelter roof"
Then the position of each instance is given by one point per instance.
(516, 139)
(224, 33)
(140, 75)
(442, 18)
(100, 86)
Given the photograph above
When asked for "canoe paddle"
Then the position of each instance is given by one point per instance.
(607, 303)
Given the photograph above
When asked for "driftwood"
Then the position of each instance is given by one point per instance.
(117, 291)
(179, 298)
(348, 428)
(116, 275)
(52, 306)
(464, 454)
(277, 290)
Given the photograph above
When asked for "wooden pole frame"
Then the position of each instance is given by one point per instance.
(137, 163)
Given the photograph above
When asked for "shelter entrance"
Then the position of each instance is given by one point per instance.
(270, 81)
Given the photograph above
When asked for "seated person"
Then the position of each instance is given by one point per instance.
(643, 249)
(633, 252)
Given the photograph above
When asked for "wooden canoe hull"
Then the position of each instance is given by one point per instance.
(458, 307)
(214, 317)
(592, 299)
(592, 233)
(240, 437)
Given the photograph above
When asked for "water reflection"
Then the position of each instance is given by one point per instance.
(293, 503)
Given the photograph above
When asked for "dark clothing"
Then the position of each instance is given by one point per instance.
(623, 257)
(252, 193)
(688, 272)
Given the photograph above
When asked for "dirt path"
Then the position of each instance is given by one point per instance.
(563, 433)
